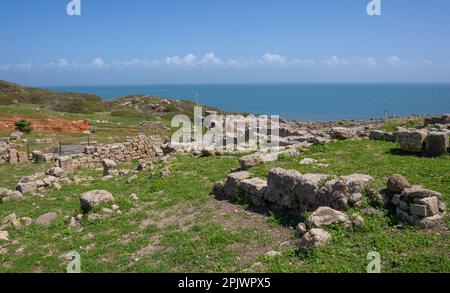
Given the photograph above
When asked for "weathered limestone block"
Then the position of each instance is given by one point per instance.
(12, 156)
(22, 157)
(281, 187)
(431, 205)
(420, 192)
(336, 193)
(315, 238)
(38, 157)
(250, 161)
(46, 219)
(232, 184)
(109, 168)
(411, 140)
(342, 133)
(307, 190)
(376, 135)
(94, 198)
(255, 188)
(57, 172)
(436, 143)
(27, 187)
(325, 216)
(66, 163)
(397, 183)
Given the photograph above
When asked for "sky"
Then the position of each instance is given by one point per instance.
(118, 42)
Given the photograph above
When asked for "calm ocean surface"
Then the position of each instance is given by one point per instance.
(298, 101)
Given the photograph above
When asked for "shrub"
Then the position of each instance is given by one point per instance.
(24, 126)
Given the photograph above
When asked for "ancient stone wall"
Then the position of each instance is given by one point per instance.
(139, 148)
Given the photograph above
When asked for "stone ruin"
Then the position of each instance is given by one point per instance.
(291, 190)
(328, 199)
(433, 143)
(420, 206)
(431, 139)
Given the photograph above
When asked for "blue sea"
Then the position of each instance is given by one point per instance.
(319, 102)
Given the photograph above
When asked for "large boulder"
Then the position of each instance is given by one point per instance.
(325, 216)
(436, 143)
(281, 187)
(397, 183)
(411, 140)
(315, 238)
(94, 198)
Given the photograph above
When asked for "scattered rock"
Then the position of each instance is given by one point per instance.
(308, 161)
(342, 133)
(94, 198)
(46, 219)
(109, 168)
(357, 220)
(301, 229)
(132, 178)
(397, 183)
(27, 187)
(273, 253)
(4, 236)
(57, 172)
(250, 161)
(325, 216)
(315, 238)
(165, 173)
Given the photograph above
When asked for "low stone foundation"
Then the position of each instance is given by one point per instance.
(291, 190)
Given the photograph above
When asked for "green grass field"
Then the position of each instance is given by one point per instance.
(176, 226)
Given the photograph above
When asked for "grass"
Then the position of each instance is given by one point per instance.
(175, 225)
(188, 231)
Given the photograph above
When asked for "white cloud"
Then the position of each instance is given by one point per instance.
(273, 59)
(210, 58)
(98, 62)
(394, 61)
(193, 62)
(334, 61)
(370, 62)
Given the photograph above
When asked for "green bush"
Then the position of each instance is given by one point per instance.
(24, 126)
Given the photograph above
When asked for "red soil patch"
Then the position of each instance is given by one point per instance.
(46, 124)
